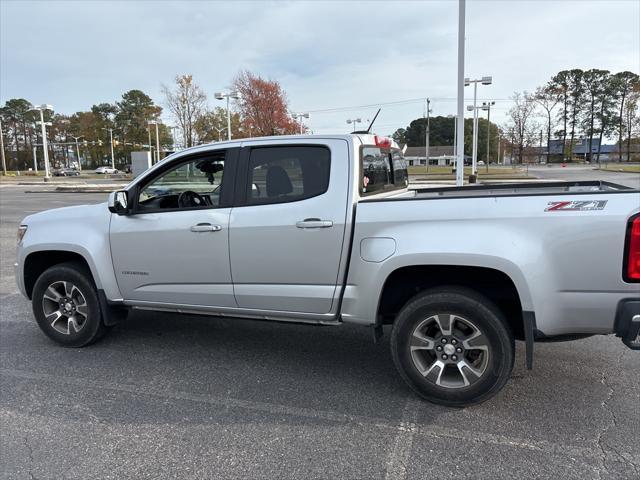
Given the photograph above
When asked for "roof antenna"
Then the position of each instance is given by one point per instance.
(374, 119)
(370, 125)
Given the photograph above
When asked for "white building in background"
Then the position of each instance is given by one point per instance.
(441, 156)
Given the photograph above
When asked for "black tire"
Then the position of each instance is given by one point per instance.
(470, 310)
(91, 325)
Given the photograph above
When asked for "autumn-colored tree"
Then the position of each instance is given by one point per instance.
(187, 102)
(263, 106)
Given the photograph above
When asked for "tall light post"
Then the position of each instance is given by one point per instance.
(4, 161)
(220, 96)
(156, 123)
(460, 109)
(487, 106)
(298, 117)
(354, 121)
(113, 160)
(220, 130)
(467, 82)
(455, 134)
(78, 150)
(41, 109)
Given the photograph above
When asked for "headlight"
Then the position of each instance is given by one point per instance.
(22, 229)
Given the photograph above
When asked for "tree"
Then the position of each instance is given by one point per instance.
(605, 112)
(263, 106)
(576, 97)
(595, 81)
(17, 119)
(623, 84)
(559, 85)
(547, 99)
(521, 122)
(400, 136)
(187, 102)
(212, 126)
(631, 115)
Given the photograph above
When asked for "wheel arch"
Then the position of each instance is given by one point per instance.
(36, 262)
(405, 282)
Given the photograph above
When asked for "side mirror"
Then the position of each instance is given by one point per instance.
(118, 202)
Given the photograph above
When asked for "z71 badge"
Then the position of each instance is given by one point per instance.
(575, 206)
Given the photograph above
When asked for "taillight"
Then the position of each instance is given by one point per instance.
(632, 251)
(384, 142)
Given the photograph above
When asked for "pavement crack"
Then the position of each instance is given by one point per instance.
(30, 457)
(613, 423)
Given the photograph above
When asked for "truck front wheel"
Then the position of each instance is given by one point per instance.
(452, 346)
(66, 307)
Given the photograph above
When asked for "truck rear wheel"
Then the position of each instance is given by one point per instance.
(452, 346)
(65, 305)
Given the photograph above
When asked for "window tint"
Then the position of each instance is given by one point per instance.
(194, 184)
(382, 169)
(286, 174)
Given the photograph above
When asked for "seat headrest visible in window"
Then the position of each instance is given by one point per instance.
(278, 181)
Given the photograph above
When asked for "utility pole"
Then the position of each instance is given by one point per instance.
(219, 96)
(78, 150)
(460, 121)
(4, 161)
(426, 136)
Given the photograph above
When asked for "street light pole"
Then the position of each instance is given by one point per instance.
(78, 150)
(229, 95)
(460, 116)
(483, 81)
(426, 136)
(354, 121)
(298, 118)
(41, 109)
(157, 143)
(487, 106)
(113, 161)
(4, 161)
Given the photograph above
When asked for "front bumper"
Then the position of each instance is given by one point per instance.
(627, 324)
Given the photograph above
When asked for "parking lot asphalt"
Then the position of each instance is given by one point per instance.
(177, 396)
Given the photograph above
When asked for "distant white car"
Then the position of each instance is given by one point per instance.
(481, 163)
(106, 170)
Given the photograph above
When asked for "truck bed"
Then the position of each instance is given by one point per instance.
(519, 189)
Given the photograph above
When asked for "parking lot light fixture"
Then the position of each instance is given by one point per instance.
(113, 160)
(221, 96)
(156, 123)
(43, 125)
(298, 118)
(78, 150)
(354, 121)
(486, 80)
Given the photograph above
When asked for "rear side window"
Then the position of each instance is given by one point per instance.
(287, 174)
(381, 170)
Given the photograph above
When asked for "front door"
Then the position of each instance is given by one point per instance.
(287, 233)
(174, 246)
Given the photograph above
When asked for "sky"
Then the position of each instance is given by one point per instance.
(336, 60)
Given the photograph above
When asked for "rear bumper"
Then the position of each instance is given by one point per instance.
(627, 323)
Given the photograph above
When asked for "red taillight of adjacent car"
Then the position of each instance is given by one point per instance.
(632, 251)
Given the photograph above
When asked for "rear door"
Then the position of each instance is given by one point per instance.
(287, 231)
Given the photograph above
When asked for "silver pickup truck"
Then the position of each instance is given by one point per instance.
(325, 230)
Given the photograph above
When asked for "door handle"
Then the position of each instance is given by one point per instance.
(205, 227)
(314, 223)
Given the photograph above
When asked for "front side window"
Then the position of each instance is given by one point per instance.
(193, 184)
(287, 174)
